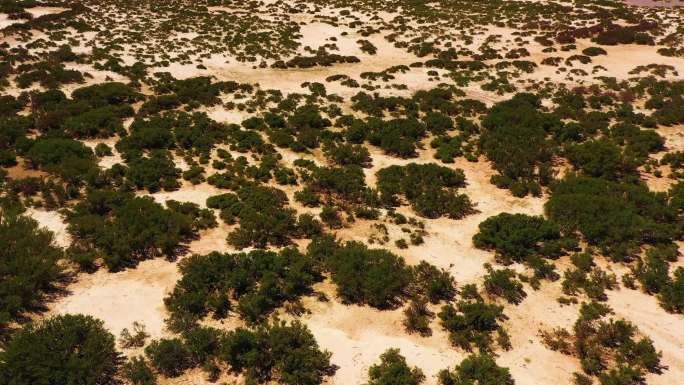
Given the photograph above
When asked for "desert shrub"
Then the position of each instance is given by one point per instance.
(417, 317)
(62, 350)
(169, 356)
(102, 149)
(394, 370)
(672, 295)
(478, 369)
(254, 284)
(138, 372)
(433, 283)
(601, 159)
(431, 189)
(364, 276)
(28, 265)
(471, 323)
(69, 159)
(283, 353)
(514, 138)
(607, 348)
(503, 283)
(587, 278)
(618, 217)
(135, 339)
(347, 154)
(124, 229)
(158, 171)
(525, 239)
(594, 51)
(346, 183)
(261, 212)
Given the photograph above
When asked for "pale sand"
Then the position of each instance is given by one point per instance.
(119, 299)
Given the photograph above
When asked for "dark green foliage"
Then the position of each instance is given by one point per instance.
(609, 349)
(286, 354)
(587, 278)
(28, 265)
(393, 370)
(262, 214)
(67, 158)
(471, 323)
(124, 229)
(170, 356)
(514, 138)
(138, 372)
(63, 350)
(524, 238)
(158, 171)
(347, 154)
(417, 317)
(397, 137)
(618, 217)
(503, 283)
(601, 159)
(431, 189)
(478, 369)
(672, 295)
(435, 284)
(347, 182)
(364, 276)
(254, 284)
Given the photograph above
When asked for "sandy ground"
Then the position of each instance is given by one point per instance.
(120, 299)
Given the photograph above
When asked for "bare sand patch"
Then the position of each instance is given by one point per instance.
(119, 299)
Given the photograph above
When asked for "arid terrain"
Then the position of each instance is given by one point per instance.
(282, 191)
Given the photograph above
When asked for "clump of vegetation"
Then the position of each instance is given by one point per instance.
(514, 138)
(524, 239)
(29, 265)
(261, 213)
(251, 284)
(393, 369)
(617, 217)
(471, 322)
(608, 349)
(478, 369)
(375, 277)
(124, 229)
(61, 350)
(432, 190)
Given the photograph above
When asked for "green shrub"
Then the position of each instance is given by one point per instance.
(62, 350)
(476, 369)
(393, 370)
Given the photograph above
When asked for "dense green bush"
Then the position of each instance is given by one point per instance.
(169, 356)
(523, 238)
(476, 370)
(158, 171)
(364, 276)
(62, 350)
(286, 354)
(124, 229)
(262, 214)
(607, 348)
(618, 217)
(28, 265)
(503, 283)
(431, 189)
(471, 323)
(514, 138)
(253, 284)
(672, 295)
(393, 370)
(69, 159)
